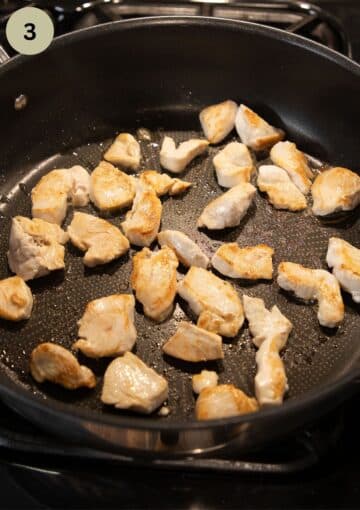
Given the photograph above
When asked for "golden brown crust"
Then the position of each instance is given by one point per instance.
(237, 402)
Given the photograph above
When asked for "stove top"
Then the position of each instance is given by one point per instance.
(316, 467)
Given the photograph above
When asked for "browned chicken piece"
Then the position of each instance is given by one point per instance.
(254, 131)
(124, 151)
(191, 343)
(280, 189)
(142, 223)
(51, 362)
(101, 241)
(175, 159)
(16, 299)
(223, 401)
(153, 279)
(162, 183)
(110, 188)
(287, 156)
(218, 120)
(206, 379)
(250, 262)
(344, 258)
(186, 250)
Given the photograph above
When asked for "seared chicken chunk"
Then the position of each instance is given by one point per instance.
(51, 362)
(175, 159)
(254, 131)
(314, 284)
(287, 156)
(153, 279)
(163, 183)
(218, 120)
(206, 379)
(101, 241)
(233, 165)
(107, 326)
(251, 262)
(270, 329)
(111, 189)
(191, 343)
(35, 247)
(223, 401)
(228, 209)
(16, 299)
(125, 151)
(281, 191)
(345, 261)
(337, 189)
(130, 384)
(51, 194)
(215, 302)
(142, 223)
(186, 250)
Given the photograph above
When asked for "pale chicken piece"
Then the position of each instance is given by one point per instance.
(101, 241)
(124, 151)
(35, 247)
(16, 300)
(110, 188)
(191, 343)
(130, 384)
(51, 362)
(337, 189)
(233, 165)
(215, 301)
(153, 279)
(206, 379)
(254, 131)
(52, 193)
(175, 159)
(344, 259)
(287, 156)
(228, 209)
(223, 401)
(163, 183)
(218, 120)
(281, 191)
(107, 326)
(251, 262)
(186, 250)
(142, 223)
(314, 284)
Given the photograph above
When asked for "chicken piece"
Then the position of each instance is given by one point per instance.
(107, 326)
(176, 159)
(215, 302)
(223, 401)
(111, 189)
(228, 209)
(314, 284)
(101, 241)
(254, 131)
(16, 300)
(35, 247)
(206, 379)
(287, 156)
(218, 120)
(51, 194)
(281, 191)
(163, 183)
(124, 151)
(130, 384)
(251, 262)
(191, 343)
(344, 259)
(186, 250)
(337, 189)
(153, 279)
(270, 329)
(233, 165)
(142, 223)
(51, 362)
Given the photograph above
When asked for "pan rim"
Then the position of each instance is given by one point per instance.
(10, 390)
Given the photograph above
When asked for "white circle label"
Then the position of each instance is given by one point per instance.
(29, 30)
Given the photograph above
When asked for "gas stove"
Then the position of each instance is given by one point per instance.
(316, 466)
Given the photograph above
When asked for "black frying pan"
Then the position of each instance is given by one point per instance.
(158, 73)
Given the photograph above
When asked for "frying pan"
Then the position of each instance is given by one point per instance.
(158, 73)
